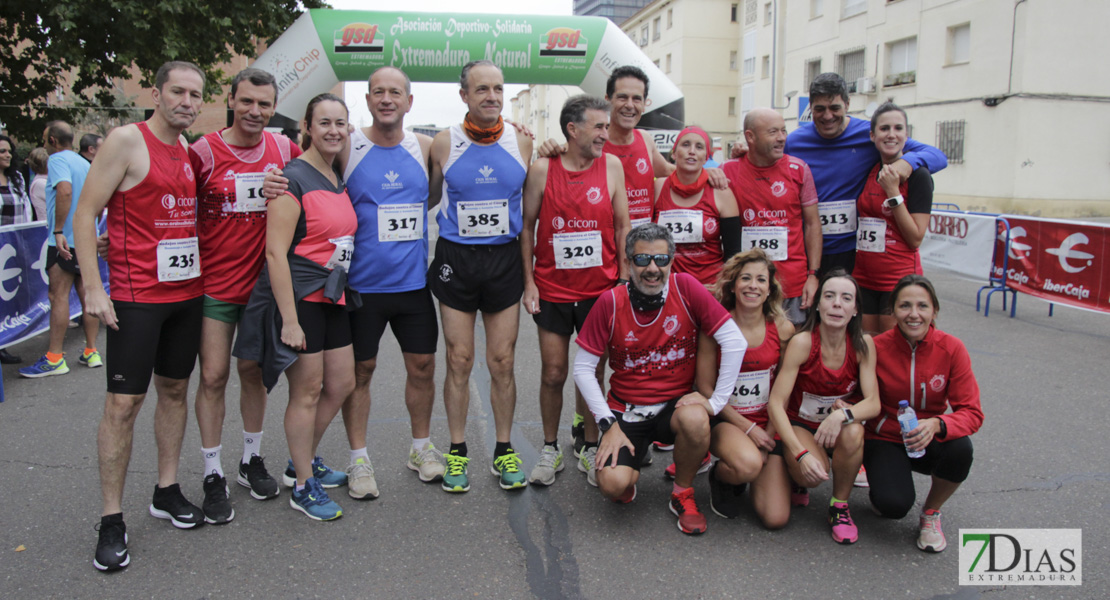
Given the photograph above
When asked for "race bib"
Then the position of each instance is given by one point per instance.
(401, 222)
(751, 392)
(178, 259)
(638, 222)
(872, 235)
(344, 250)
(684, 224)
(483, 218)
(578, 250)
(635, 413)
(838, 216)
(248, 192)
(771, 240)
(815, 408)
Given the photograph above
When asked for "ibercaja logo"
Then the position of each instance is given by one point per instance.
(563, 41)
(1021, 557)
(359, 37)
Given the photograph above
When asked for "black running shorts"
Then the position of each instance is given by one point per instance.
(152, 338)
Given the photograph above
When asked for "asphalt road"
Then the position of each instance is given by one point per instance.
(1039, 464)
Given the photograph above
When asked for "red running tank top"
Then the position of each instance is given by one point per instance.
(817, 387)
(156, 219)
(652, 362)
(576, 248)
(770, 198)
(639, 177)
(701, 259)
(231, 215)
(757, 375)
(879, 266)
(327, 225)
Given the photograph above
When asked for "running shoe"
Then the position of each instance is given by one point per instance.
(578, 433)
(705, 464)
(843, 528)
(931, 537)
(627, 497)
(170, 504)
(217, 505)
(660, 446)
(428, 463)
(690, 519)
(587, 463)
(253, 475)
(45, 368)
(111, 544)
(91, 360)
(799, 496)
(326, 476)
(361, 484)
(550, 463)
(724, 498)
(455, 479)
(314, 501)
(861, 478)
(507, 468)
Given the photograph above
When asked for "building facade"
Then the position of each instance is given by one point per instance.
(614, 10)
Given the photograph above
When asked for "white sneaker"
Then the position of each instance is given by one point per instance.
(588, 464)
(551, 462)
(361, 484)
(931, 537)
(428, 463)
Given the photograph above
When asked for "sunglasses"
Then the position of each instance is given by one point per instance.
(643, 260)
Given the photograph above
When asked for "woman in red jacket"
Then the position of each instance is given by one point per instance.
(931, 369)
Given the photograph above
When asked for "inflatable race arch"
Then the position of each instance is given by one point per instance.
(324, 47)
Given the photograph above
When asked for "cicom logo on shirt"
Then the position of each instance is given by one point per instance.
(558, 222)
(169, 202)
(749, 214)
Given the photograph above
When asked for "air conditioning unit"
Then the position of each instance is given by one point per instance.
(865, 85)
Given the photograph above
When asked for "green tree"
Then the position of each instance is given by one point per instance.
(81, 45)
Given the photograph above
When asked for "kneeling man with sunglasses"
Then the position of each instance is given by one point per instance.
(649, 327)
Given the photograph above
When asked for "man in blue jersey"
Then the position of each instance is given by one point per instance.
(840, 153)
(478, 171)
(387, 178)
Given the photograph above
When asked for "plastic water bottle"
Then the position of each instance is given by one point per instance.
(907, 418)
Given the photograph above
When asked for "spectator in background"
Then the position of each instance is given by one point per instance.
(15, 206)
(37, 190)
(90, 143)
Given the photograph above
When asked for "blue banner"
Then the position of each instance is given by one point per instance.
(24, 302)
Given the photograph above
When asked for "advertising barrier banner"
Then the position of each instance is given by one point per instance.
(959, 242)
(1066, 262)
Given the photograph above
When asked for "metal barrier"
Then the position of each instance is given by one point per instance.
(998, 284)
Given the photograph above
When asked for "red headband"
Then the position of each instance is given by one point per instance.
(699, 131)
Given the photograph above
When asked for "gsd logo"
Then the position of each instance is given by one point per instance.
(563, 41)
(359, 37)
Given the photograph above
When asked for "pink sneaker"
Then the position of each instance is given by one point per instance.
(931, 537)
(627, 497)
(690, 519)
(843, 529)
(705, 464)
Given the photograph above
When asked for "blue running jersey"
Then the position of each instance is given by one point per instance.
(482, 190)
(388, 187)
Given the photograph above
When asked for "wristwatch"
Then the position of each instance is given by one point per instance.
(848, 418)
(604, 424)
(893, 202)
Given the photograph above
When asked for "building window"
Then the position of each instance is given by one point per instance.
(749, 54)
(732, 106)
(901, 62)
(747, 98)
(733, 56)
(644, 36)
(950, 140)
(851, 8)
(668, 63)
(959, 44)
(849, 65)
(766, 66)
(750, 15)
(670, 18)
(813, 69)
(816, 8)
(734, 10)
(655, 33)
(768, 14)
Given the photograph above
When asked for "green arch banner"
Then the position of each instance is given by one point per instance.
(324, 47)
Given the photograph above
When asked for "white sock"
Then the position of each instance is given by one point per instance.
(360, 453)
(212, 461)
(252, 445)
(419, 443)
